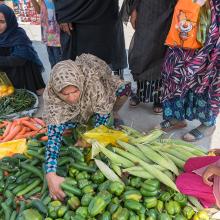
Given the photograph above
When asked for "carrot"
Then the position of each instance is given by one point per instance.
(27, 135)
(23, 131)
(44, 138)
(22, 119)
(3, 124)
(30, 125)
(40, 122)
(8, 127)
(12, 133)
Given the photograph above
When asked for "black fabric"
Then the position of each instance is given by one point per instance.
(22, 73)
(147, 50)
(98, 30)
(86, 11)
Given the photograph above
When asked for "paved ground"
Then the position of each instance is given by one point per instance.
(142, 117)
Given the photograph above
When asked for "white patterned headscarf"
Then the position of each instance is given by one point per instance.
(93, 77)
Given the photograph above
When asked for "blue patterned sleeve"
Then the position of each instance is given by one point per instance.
(101, 119)
(55, 133)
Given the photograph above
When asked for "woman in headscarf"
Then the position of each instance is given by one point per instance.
(94, 27)
(191, 82)
(18, 59)
(77, 91)
(151, 20)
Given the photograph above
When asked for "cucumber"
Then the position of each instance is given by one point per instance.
(19, 188)
(70, 188)
(13, 215)
(22, 178)
(33, 170)
(35, 154)
(39, 205)
(7, 211)
(29, 188)
(33, 192)
(46, 200)
(82, 167)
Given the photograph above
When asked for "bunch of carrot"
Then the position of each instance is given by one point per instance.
(25, 127)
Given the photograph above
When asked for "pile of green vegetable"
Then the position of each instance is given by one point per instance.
(93, 190)
(19, 101)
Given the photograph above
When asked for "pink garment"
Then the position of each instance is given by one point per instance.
(191, 182)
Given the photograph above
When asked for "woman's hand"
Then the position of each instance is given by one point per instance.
(66, 27)
(133, 18)
(54, 183)
(209, 174)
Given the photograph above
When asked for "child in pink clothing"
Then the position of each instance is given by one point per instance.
(201, 179)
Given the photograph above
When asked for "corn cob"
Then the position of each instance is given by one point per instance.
(115, 158)
(116, 168)
(179, 163)
(156, 173)
(141, 174)
(134, 150)
(154, 135)
(131, 131)
(158, 159)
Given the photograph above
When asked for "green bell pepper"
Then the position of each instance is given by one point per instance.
(53, 208)
(160, 206)
(180, 217)
(32, 214)
(112, 207)
(99, 203)
(73, 203)
(152, 213)
(188, 212)
(83, 182)
(116, 200)
(73, 172)
(150, 202)
(133, 205)
(151, 185)
(88, 189)
(121, 214)
(105, 216)
(165, 196)
(104, 186)
(133, 195)
(164, 216)
(98, 177)
(116, 188)
(172, 207)
(141, 213)
(147, 193)
(82, 175)
(86, 199)
(68, 215)
(61, 211)
(136, 182)
(83, 211)
(78, 217)
(181, 199)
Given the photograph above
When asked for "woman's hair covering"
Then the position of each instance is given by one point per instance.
(93, 77)
(16, 39)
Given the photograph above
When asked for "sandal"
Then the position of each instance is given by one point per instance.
(167, 125)
(196, 134)
(157, 108)
(134, 101)
(118, 123)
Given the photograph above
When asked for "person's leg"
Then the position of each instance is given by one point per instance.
(51, 56)
(57, 55)
(119, 73)
(122, 96)
(135, 100)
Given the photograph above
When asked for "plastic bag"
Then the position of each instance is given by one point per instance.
(6, 87)
(105, 135)
(10, 148)
(184, 27)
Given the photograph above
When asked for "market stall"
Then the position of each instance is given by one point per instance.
(123, 175)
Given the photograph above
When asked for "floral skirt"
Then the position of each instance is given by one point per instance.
(192, 106)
